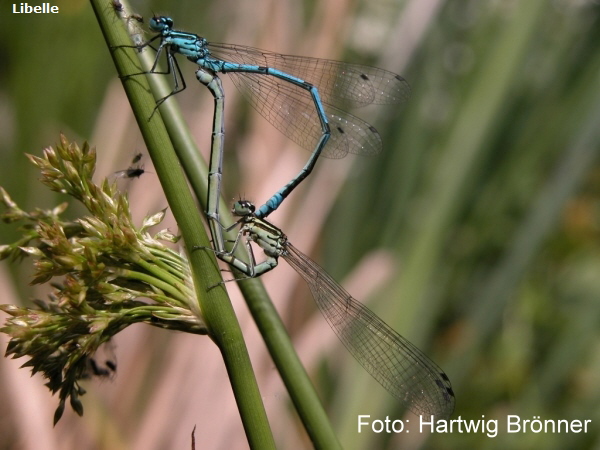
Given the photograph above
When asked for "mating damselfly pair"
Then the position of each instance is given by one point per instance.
(306, 98)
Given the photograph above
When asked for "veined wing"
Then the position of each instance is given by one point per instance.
(400, 367)
(291, 110)
(340, 84)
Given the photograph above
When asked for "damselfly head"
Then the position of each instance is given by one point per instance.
(161, 23)
(242, 208)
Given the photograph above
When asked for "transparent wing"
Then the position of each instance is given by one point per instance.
(291, 109)
(340, 84)
(392, 360)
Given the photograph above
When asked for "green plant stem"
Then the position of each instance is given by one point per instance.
(261, 307)
(265, 315)
(170, 272)
(175, 292)
(292, 372)
(214, 303)
(272, 329)
(161, 274)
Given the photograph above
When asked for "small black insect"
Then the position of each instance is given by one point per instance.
(117, 5)
(137, 158)
(135, 170)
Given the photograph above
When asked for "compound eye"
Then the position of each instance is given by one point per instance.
(249, 206)
(243, 208)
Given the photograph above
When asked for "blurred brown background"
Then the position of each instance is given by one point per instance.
(475, 233)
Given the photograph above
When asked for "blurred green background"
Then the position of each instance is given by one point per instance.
(474, 234)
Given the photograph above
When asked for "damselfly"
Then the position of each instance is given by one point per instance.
(305, 98)
(400, 367)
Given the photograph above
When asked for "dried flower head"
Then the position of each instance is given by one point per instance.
(106, 274)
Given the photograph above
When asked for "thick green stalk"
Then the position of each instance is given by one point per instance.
(271, 327)
(214, 303)
(292, 372)
(261, 307)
